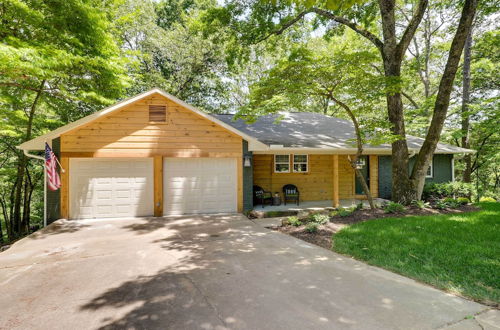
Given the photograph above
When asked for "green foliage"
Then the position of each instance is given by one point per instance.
(463, 200)
(294, 221)
(393, 207)
(420, 204)
(359, 206)
(312, 227)
(319, 218)
(59, 61)
(452, 202)
(448, 189)
(344, 212)
(446, 203)
(487, 200)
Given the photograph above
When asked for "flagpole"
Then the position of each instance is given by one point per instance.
(44, 195)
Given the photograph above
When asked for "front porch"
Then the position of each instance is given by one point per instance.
(323, 180)
(315, 205)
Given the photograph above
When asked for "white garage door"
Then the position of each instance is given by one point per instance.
(110, 188)
(199, 185)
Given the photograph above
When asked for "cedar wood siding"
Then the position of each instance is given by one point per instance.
(127, 132)
(317, 183)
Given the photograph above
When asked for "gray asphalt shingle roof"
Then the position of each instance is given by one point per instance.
(314, 130)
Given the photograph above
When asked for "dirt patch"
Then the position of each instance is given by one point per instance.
(323, 237)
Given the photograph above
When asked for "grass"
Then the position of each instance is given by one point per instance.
(459, 253)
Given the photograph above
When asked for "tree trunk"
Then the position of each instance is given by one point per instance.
(402, 188)
(465, 108)
(21, 168)
(443, 96)
(359, 153)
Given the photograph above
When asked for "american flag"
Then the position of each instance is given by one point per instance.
(53, 180)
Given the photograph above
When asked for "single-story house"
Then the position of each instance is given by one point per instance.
(155, 155)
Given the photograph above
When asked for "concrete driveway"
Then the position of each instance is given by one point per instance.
(206, 272)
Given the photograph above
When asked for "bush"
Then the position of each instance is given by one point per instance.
(451, 202)
(441, 204)
(359, 206)
(433, 191)
(334, 213)
(294, 221)
(393, 207)
(312, 227)
(320, 219)
(487, 200)
(463, 200)
(420, 204)
(344, 212)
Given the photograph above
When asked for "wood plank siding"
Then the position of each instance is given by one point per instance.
(318, 182)
(129, 133)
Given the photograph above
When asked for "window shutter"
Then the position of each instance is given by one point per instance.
(158, 113)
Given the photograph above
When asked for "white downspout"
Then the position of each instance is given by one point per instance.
(26, 152)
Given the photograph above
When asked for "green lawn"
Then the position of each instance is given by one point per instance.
(457, 253)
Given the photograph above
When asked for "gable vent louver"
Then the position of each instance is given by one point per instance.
(157, 113)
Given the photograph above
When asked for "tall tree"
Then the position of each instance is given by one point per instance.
(56, 58)
(392, 45)
(175, 50)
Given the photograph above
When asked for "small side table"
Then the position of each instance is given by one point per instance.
(276, 199)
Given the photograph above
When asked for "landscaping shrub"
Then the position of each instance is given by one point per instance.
(320, 219)
(393, 207)
(441, 204)
(334, 213)
(344, 212)
(294, 221)
(433, 191)
(312, 227)
(452, 203)
(487, 199)
(420, 204)
(359, 206)
(463, 200)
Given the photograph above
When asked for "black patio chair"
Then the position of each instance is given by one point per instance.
(260, 196)
(291, 193)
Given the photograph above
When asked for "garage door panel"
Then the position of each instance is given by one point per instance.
(199, 185)
(104, 187)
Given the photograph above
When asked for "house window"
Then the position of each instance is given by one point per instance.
(282, 163)
(430, 171)
(158, 113)
(300, 163)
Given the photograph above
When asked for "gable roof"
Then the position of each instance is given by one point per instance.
(315, 131)
(38, 143)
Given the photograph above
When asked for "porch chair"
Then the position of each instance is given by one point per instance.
(260, 196)
(291, 193)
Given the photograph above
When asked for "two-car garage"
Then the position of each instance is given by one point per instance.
(124, 187)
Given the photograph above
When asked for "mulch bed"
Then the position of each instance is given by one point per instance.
(323, 237)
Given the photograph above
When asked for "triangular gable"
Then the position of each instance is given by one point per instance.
(39, 142)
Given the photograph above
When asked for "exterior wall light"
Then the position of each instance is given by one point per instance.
(247, 161)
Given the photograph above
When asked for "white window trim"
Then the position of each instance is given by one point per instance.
(307, 163)
(289, 163)
(431, 167)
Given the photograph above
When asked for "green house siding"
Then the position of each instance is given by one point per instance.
(53, 197)
(442, 172)
(247, 180)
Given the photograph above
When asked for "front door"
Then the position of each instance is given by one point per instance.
(365, 170)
